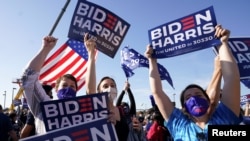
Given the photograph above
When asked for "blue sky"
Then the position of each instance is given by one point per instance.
(24, 24)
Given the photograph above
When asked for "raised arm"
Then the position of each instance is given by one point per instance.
(161, 99)
(230, 72)
(91, 69)
(132, 102)
(131, 98)
(120, 97)
(214, 87)
(48, 44)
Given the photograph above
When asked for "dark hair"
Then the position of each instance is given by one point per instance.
(104, 78)
(47, 88)
(69, 76)
(12, 115)
(192, 86)
(1, 108)
(124, 104)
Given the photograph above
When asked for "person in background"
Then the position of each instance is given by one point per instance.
(245, 115)
(128, 109)
(136, 132)
(148, 121)
(29, 127)
(247, 107)
(65, 87)
(106, 84)
(6, 128)
(157, 131)
(195, 102)
(14, 121)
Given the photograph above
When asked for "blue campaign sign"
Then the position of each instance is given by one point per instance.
(240, 47)
(95, 130)
(105, 27)
(188, 34)
(67, 112)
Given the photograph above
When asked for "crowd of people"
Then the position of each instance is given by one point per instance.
(162, 122)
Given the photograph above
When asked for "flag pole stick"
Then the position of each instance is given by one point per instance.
(59, 17)
(20, 92)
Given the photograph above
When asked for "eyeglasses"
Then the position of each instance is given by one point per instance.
(201, 136)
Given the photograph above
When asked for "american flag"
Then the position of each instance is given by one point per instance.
(70, 58)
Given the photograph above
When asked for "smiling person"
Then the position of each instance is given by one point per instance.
(191, 122)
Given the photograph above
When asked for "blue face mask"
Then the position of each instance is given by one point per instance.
(196, 106)
(66, 93)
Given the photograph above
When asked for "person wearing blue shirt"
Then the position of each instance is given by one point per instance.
(191, 122)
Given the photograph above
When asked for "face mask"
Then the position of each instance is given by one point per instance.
(66, 93)
(196, 106)
(141, 118)
(126, 109)
(112, 92)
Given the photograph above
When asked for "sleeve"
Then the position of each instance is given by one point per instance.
(119, 99)
(33, 90)
(132, 102)
(224, 115)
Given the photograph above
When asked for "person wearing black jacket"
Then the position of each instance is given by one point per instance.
(136, 132)
(131, 110)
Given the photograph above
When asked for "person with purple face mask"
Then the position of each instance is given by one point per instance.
(191, 122)
(66, 85)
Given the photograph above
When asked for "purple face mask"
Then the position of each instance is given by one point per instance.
(196, 106)
(66, 93)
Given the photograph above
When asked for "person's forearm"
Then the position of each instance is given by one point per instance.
(25, 132)
(91, 74)
(214, 87)
(246, 110)
(120, 97)
(154, 76)
(132, 102)
(37, 62)
(231, 77)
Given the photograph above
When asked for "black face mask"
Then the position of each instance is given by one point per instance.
(126, 109)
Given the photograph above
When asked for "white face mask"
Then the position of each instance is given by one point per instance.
(112, 93)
